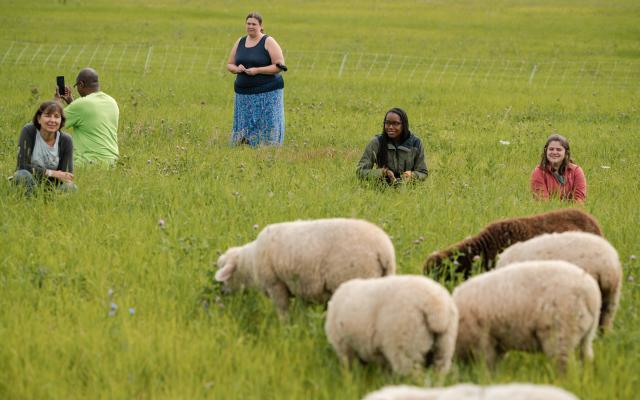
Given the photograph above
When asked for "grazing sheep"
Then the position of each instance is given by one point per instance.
(308, 259)
(499, 235)
(590, 252)
(406, 322)
(512, 391)
(548, 306)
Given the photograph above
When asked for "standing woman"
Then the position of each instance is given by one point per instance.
(258, 112)
(396, 154)
(557, 175)
(45, 154)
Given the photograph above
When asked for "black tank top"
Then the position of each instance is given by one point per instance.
(256, 56)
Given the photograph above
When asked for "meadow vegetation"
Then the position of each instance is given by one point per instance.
(108, 292)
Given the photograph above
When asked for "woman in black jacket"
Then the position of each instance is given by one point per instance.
(45, 154)
(396, 154)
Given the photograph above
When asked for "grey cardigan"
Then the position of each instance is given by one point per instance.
(25, 149)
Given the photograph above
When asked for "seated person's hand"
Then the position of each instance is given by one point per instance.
(387, 173)
(62, 176)
(407, 175)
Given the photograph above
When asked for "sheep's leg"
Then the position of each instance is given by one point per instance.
(347, 355)
(487, 351)
(444, 347)
(490, 357)
(610, 299)
(605, 317)
(562, 360)
(400, 362)
(558, 347)
(279, 294)
(586, 349)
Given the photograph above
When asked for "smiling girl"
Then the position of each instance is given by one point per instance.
(557, 175)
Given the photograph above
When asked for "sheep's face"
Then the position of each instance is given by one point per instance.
(230, 271)
(446, 264)
(433, 262)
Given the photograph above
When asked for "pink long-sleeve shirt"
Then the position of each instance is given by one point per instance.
(545, 185)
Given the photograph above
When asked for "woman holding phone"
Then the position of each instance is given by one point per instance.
(258, 112)
(45, 154)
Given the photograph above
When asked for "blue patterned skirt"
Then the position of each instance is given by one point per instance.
(258, 119)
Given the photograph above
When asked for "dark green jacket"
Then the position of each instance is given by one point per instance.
(407, 156)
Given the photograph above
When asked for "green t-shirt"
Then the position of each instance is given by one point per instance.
(94, 119)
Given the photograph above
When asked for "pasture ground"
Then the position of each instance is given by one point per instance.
(472, 77)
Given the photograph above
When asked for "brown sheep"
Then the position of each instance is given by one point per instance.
(499, 235)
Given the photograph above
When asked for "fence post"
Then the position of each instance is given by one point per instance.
(344, 61)
(106, 58)
(148, 61)
(63, 56)
(124, 50)
(7, 53)
(533, 73)
(21, 53)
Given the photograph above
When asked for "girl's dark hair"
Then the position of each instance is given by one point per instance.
(381, 157)
(257, 16)
(567, 153)
(48, 107)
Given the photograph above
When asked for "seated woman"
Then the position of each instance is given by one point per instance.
(45, 154)
(396, 154)
(557, 175)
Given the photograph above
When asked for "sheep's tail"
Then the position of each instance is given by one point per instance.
(594, 227)
(387, 264)
(583, 221)
(437, 314)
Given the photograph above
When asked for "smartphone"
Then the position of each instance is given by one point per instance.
(60, 83)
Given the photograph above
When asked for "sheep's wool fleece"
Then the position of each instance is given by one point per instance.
(401, 317)
(313, 257)
(516, 306)
(308, 259)
(593, 253)
(513, 391)
(499, 235)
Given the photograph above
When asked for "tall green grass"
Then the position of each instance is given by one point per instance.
(66, 258)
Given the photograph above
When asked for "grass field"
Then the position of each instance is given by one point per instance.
(470, 74)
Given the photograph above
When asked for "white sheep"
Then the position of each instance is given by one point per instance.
(405, 322)
(592, 253)
(308, 259)
(548, 306)
(512, 391)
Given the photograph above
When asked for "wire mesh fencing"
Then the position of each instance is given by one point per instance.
(147, 59)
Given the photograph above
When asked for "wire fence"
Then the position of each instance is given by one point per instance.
(153, 59)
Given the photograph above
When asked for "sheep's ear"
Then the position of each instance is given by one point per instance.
(225, 272)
